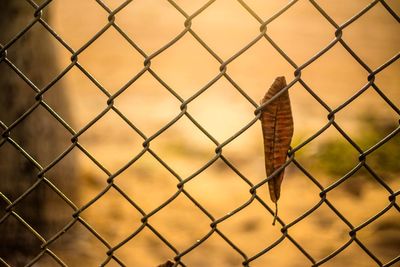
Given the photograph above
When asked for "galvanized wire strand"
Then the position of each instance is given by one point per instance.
(390, 10)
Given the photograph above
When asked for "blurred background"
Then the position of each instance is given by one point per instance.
(186, 67)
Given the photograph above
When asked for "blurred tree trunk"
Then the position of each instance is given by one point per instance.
(40, 135)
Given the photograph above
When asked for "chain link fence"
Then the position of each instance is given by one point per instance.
(255, 191)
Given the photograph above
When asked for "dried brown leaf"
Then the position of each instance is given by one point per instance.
(277, 128)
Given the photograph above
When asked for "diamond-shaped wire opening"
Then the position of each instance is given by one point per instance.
(51, 136)
(257, 67)
(57, 109)
(221, 110)
(27, 246)
(251, 228)
(67, 20)
(316, 156)
(107, 136)
(93, 179)
(77, 86)
(323, 225)
(20, 23)
(381, 237)
(175, 148)
(14, 191)
(148, 105)
(383, 162)
(148, 183)
(116, 64)
(150, 24)
(245, 154)
(218, 184)
(373, 32)
(309, 114)
(181, 222)
(38, 208)
(303, 25)
(172, 65)
(113, 205)
(359, 197)
(15, 88)
(225, 34)
(34, 59)
(365, 127)
(296, 185)
(329, 75)
(94, 246)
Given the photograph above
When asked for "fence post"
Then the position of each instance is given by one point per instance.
(42, 209)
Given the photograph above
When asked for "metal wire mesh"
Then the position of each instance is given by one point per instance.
(253, 189)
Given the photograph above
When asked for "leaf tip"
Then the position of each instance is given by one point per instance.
(280, 81)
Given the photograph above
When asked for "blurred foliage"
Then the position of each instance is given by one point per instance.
(336, 156)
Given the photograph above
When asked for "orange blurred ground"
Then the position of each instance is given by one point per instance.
(226, 27)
